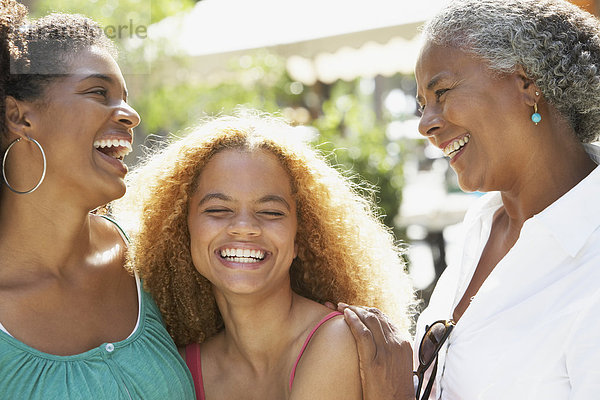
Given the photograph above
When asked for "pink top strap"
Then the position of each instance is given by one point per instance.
(194, 363)
(310, 335)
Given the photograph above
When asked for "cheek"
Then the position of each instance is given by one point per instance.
(200, 258)
(199, 239)
(461, 111)
(287, 237)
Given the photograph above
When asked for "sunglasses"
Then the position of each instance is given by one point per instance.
(433, 339)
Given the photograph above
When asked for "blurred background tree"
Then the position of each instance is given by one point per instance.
(112, 12)
(352, 132)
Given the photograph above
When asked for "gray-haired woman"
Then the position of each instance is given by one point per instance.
(510, 91)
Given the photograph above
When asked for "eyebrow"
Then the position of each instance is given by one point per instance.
(106, 78)
(275, 198)
(212, 196)
(435, 80)
(264, 199)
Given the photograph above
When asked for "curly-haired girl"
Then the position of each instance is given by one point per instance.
(244, 231)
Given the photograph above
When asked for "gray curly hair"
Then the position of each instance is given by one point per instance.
(556, 43)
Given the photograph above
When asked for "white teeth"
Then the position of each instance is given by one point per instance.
(243, 255)
(451, 149)
(121, 147)
(243, 260)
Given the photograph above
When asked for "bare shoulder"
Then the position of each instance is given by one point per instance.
(107, 228)
(110, 246)
(333, 335)
(328, 368)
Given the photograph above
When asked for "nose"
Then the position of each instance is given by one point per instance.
(244, 224)
(431, 120)
(126, 115)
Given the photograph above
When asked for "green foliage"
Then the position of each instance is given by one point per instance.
(351, 131)
(115, 12)
(123, 21)
(176, 100)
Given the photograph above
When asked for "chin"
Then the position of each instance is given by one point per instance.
(110, 194)
(467, 189)
(120, 193)
(466, 185)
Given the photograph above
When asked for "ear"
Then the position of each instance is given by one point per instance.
(530, 93)
(295, 249)
(17, 116)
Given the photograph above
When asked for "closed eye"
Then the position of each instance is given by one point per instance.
(272, 213)
(215, 211)
(100, 91)
(439, 93)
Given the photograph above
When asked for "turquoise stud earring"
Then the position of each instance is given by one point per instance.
(535, 117)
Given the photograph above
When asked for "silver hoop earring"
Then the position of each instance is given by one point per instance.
(4, 164)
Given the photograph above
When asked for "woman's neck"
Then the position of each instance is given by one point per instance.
(45, 236)
(260, 329)
(552, 169)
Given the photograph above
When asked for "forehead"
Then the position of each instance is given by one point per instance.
(240, 169)
(95, 61)
(438, 62)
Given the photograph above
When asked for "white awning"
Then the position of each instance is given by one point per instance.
(320, 39)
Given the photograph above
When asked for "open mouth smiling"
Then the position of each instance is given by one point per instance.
(116, 148)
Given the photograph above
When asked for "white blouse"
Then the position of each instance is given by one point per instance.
(533, 329)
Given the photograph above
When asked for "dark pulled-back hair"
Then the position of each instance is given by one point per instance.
(12, 16)
(36, 52)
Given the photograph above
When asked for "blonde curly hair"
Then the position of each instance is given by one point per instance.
(345, 253)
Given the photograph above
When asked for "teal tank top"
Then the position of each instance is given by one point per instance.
(145, 366)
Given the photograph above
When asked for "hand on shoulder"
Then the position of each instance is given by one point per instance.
(385, 357)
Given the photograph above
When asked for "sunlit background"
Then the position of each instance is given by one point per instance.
(343, 68)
